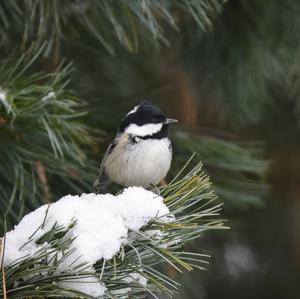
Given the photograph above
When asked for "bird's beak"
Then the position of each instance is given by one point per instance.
(171, 121)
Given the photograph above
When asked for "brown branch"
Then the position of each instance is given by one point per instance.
(4, 284)
(42, 176)
(2, 268)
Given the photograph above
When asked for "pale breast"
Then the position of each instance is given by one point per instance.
(143, 163)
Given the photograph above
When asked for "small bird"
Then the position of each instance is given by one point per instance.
(141, 153)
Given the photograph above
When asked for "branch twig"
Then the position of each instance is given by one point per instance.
(2, 242)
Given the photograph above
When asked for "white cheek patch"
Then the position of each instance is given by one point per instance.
(144, 130)
(134, 109)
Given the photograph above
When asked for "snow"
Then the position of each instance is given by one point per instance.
(3, 95)
(136, 277)
(88, 285)
(132, 278)
(48, 96)
(104, 223)
(3, 100)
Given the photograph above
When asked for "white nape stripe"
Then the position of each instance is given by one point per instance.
(134, 109)
(145, 130)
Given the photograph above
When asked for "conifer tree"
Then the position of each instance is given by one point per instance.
(53, 124)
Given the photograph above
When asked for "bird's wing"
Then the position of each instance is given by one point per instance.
(103, 181)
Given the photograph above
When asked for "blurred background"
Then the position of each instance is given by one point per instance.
(228, 70)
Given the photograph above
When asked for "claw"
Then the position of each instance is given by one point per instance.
(155, 189)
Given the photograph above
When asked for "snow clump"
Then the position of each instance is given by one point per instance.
(103, 225)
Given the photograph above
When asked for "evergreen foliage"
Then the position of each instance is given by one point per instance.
(48, 143)
(50, 156)
(128, 21)
(43, 139)
(249, 60)
(192, 202)
(238, 170)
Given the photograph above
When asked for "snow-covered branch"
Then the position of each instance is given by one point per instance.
(110, 245)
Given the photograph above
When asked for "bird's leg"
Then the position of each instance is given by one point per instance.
(155, 189)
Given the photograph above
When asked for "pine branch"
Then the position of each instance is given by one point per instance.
(246, 44)
(107, 21)
(238, 172)
(43, 140)
(190, 200)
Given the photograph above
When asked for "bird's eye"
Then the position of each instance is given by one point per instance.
(154, 120)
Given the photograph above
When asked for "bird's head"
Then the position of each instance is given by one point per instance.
(146, 120)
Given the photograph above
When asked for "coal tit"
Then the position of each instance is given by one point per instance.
(141, 153)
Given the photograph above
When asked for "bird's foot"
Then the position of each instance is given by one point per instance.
(155, 189)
